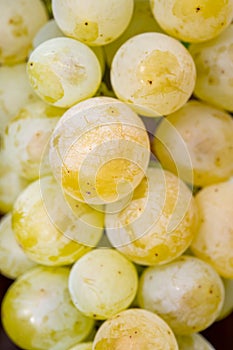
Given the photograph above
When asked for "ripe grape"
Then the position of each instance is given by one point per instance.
(20, 20)
(187, 293)
(205, 133)
(213, 241)
(228, 301)
(99, 151)
(102, 283)
(193, 20)
(193, 342)
(64, 71)
(213, 60)
(154, 73)
(13, 261)
(158, 224)
(135, 329)
(93, 22)
(82, 346)
(38, 314)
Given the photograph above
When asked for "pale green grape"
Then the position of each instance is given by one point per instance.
(15, 92)
(135, 329)
(99, 151)
(93, 22)
(27, 136)
(187, 293)
(193, 20)
(228, 301)
(141, 22)
(13, 261)
(82, 346)
(193, 342)
(48, 230)
(213, 60)
(64, 71)
(38, 314)
(213, 241)
(102, 283)
(20, 20)
(158, 224)
(154, 73)
(206, 133)
(49, 31)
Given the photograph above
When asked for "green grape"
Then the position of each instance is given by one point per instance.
(135, 329)
(20, 20)
(159, 222)
(64, 71)
(13, 98)
(49, 31)
(141, 22)
(38, 314)
(102, 283)
(48, 230)
(13, 261)
(193, 20)
(93, 22)
(206, 133)
(27, 136)
(213, 60)
(187, 293)
(228, 301)
(193, 342)
(213, 241)
(99, 151)
(82, 346)
(154, 73)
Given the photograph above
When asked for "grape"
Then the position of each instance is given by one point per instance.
(20, 20)
(154, 73)
(27, 136)
(83, 346)
(38, 314)
(47, 229)
(228, 301)
(13, 98)
(64, 71)
(93, 22)
(187, 293)
(141, 22)
(213, 60)
(193, 342)
(206, 133)
(102, 283)
(193, 20)
(13, 261)
(135, 329)
(159, 222)
(99, 150)
(213, 241)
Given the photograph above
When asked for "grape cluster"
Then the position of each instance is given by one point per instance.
(116, 170)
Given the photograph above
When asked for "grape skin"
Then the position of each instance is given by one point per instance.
(83, 346)
(193, 342)
(228, 301)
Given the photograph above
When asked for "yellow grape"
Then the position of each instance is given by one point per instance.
(193, 342)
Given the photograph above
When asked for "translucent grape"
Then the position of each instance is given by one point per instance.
(206, 133)
(20, 20)
(187, 293)
(64, 71)
(213, 60)
(213, 241)
(13, 98)
(99, 150)
(13, 261)
(38, 314)
(93, 22)
(193, 342)
(141, 22)
(82, 346)
(102, 283)
(193, 20)
(27, 136)
(154, 73)
(228, 301)
(159, 222)
(47, 229)
(135, 329)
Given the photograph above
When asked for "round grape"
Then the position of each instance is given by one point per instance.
(193, 342)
